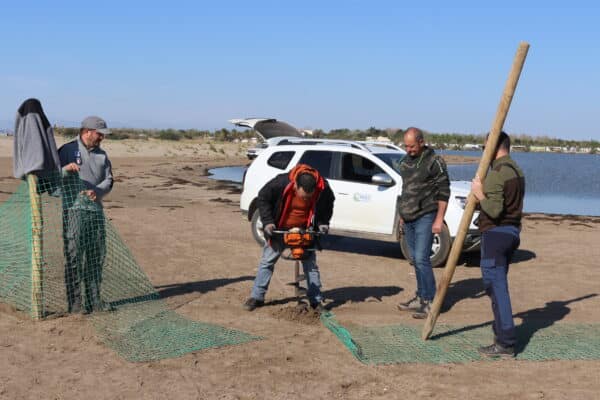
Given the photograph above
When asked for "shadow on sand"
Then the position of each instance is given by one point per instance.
(534, 320)
(178, 289)
(343, 295)
(471, 288)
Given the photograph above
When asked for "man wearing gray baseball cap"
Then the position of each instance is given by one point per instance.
(87, 173)
(96, 123)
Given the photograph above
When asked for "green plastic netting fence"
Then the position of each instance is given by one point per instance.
(59, 254)
(538, 341)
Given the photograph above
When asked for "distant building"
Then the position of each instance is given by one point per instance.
(537, 148)
(470, 146)
(518, 147)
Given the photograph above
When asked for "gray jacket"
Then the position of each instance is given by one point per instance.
(424, 182)
(95, 169)
(34, 148)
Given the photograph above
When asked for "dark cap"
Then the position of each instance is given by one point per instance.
(96, 123)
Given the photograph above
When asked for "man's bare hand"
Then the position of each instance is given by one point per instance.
(73, 167)
(268, 229)
(437, 227)
(90, 194)
(477, 188)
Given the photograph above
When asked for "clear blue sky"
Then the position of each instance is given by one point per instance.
(323, 64)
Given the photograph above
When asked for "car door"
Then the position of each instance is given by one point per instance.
(361, 205)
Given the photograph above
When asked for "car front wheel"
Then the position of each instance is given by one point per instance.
(257, 228)
(439, 249)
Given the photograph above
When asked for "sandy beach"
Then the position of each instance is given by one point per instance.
(189, 236)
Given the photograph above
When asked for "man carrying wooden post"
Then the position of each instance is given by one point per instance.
(488, 155)
(500, 199)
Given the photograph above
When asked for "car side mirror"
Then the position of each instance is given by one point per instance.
(382, 180)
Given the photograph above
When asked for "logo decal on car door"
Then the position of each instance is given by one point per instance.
(362, 197)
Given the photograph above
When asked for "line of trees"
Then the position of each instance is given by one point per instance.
(223, 135)
(395, 135)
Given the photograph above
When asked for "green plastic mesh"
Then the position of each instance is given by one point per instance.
(64, 256)
(538, 341)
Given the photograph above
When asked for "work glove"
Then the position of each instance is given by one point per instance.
(324, 229)
(268, 230)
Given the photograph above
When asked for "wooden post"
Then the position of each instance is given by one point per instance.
(492, 140)
(37, 246)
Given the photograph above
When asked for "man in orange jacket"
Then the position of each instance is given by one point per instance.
(302, 199)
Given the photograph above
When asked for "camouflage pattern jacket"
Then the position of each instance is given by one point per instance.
(424, 182)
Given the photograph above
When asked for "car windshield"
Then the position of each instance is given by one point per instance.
(391, 159)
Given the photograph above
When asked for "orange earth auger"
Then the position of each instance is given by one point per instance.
(299, 243)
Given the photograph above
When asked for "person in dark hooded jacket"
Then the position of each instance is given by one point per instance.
(298, 199)
(34, 147)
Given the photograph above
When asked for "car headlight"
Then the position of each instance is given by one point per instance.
(462, 201)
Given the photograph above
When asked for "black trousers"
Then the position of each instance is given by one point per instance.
(85, 252)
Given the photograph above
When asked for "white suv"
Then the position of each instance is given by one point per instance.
(365, 179)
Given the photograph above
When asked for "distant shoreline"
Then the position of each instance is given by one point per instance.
(452, 159)
(198, 148)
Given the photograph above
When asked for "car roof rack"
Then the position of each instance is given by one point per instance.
(362, 145)
(387, 145)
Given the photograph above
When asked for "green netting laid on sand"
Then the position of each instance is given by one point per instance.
(538, 341)
(59, 255)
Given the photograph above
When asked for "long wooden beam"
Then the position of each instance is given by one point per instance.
(501, 113)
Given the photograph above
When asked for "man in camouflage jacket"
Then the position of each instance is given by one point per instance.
(423, 203)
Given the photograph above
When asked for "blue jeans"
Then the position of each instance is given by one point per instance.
(420, 239)
(270, 256)
(497, 247)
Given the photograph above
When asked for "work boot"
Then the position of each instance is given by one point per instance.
(412, 305)
(318, 307)
(497, 350)
(423, 310)
(252, 303)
